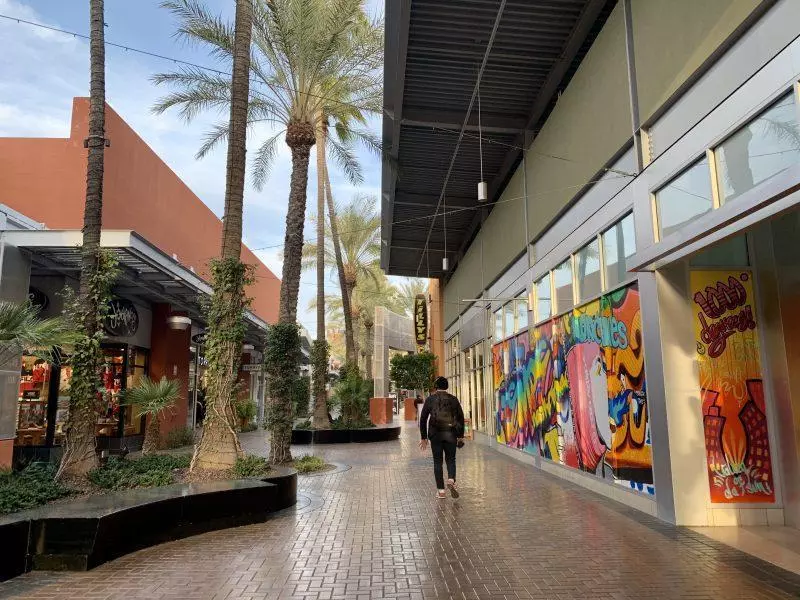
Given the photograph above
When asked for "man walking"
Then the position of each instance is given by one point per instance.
(442, 422)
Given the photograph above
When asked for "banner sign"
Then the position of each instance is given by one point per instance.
(738, 457)
(420, 320)
(253, 368)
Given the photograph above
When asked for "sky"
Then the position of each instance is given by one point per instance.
(41, 71)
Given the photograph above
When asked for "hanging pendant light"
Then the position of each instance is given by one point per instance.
(445, 264)
(483, 188)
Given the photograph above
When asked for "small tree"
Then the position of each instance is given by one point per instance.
(352, 394)
(413, 371)
(152, 398)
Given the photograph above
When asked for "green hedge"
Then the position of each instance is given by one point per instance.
(30, 488)
(148, 471)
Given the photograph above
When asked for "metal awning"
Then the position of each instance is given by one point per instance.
(146, 273)
(434, 50)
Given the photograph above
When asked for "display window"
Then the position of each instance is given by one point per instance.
(34, 393)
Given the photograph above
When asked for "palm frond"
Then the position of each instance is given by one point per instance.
(264, 159)
(23, 330)
(153, 397)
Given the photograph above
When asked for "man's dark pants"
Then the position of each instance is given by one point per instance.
(443, 446)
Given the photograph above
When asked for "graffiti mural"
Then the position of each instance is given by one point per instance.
(734, 409)
(573, 391)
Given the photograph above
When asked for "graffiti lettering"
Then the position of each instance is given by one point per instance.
(721, 298)
(605, 331)
(716, 334)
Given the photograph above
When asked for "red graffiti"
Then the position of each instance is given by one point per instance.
(717, 300)
(716, 335)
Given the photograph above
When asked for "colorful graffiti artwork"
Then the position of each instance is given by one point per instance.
(734, 409)
(573, 391)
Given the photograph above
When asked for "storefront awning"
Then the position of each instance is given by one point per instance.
(146, 273)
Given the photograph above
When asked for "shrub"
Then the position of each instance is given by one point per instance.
(304, 425)
(301, 393)
(249, 427)
(32, 487)
(178, 438)
(251, 466)
(352, 393)
(153, 470)
(309, 464)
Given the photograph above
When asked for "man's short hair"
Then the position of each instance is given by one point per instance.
(441, 383)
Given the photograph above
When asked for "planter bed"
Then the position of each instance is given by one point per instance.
(345, 436)
(80, 535)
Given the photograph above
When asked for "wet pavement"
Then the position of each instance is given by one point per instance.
(373, 529)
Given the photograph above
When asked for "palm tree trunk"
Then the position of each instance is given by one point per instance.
(300, 137)
(320, 418)
(152, 435)
(219, 445)
(349, 339)
(79, 453)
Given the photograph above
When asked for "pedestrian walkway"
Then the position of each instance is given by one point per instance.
(375, 530)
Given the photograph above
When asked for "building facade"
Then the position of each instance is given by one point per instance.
(620, 313)
(163, 237)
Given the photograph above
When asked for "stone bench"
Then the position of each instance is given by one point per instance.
(83, 534)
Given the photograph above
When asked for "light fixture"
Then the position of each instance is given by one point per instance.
(179, 323)
(445, 264)
(483, 188)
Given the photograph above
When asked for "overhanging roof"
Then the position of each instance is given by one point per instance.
(146, 272)
(434, 50)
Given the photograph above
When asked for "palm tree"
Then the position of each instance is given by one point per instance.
(153, 398)
(309, 57)
(359, 246)
(373, 292)
(23, 330)
(79, 445)
(219, 445)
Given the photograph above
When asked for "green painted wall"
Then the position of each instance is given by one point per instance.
(588, 125)
(672, 39)
(505, 228)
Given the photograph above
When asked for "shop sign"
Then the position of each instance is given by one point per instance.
(253, 368)
(38, 298)
(122, 319)
(420, 320)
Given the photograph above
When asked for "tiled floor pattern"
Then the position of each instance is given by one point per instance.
(376, 531)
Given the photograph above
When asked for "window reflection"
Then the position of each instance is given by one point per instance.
(522, 313)
(544, 304)
(562, 277)
(763, 149)
(587, 264)
(685, 198)
(619, 244)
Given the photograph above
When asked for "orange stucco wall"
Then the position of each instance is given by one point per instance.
(436, 322)
(44, 179)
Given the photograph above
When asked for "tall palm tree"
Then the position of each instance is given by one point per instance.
(79, 445)
(311, 60)
(219, 445)
(309, 56)
(370, 294)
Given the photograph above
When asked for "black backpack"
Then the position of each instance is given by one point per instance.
(444, 417)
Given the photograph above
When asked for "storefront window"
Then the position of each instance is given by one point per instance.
(473, 396)
(587, 264)
(32, 410)
(759, 151)
(562, 276)
(685, 198)
(522, 314)
(619, 244)
(498, 325)
(544, 303)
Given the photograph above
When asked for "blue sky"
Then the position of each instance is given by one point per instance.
(41, 71)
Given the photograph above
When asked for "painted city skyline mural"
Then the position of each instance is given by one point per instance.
(573, 390)
(736, 433)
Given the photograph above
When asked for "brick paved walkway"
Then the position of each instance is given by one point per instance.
(376, 531)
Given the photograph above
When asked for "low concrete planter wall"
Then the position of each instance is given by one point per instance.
(344, 436)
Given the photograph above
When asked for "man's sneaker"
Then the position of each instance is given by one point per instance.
(441, 495)
(451, 485)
